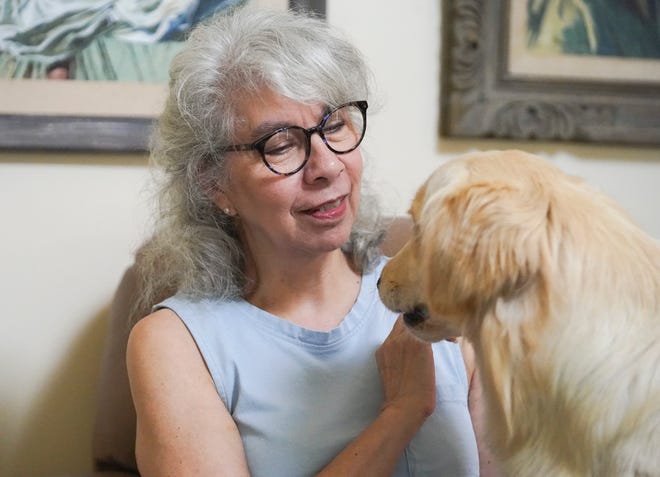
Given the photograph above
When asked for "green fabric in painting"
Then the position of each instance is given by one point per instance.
(110, 58)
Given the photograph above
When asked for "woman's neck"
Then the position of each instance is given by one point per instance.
(315, 293)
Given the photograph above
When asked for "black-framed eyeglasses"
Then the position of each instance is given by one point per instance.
(286, 150)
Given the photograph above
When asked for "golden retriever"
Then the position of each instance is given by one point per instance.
(558, 292)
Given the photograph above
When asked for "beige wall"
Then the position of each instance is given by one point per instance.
(68, 226)
(70, 223)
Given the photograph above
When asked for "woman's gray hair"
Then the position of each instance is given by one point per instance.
(195, 248)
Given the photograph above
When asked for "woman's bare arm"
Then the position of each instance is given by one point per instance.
(183, 427)
(488, 466)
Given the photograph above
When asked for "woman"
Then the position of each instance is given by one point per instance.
(276, 356)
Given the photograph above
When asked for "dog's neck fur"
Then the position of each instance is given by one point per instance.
(505, 342)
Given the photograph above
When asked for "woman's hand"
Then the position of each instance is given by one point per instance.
(407, 372)
(408, 375)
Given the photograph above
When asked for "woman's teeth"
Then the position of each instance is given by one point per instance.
(329, 206)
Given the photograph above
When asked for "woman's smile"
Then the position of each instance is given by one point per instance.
(332, 209)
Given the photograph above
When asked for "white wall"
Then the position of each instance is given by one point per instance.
(69, 224)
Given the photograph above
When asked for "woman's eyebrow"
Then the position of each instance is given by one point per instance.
(266, 128)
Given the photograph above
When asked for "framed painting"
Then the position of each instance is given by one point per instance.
(565, 70)
(88, 113)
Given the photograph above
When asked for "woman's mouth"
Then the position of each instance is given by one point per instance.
(328, 206)
(329, 210)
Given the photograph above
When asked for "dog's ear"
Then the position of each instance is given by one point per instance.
(485, 240)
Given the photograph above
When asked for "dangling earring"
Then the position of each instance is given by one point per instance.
(226, 211)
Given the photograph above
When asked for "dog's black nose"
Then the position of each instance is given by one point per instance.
(418, 315)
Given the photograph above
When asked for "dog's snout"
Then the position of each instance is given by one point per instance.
(418, 315)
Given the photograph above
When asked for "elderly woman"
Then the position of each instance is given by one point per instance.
(275, 355)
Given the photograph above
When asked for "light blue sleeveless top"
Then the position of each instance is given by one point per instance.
(300, 396)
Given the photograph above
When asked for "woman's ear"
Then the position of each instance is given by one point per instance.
(223, 202)
(208, 180)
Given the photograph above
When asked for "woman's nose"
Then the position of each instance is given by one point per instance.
(323, 163)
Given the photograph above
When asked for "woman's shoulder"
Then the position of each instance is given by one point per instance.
(157, 342)
(376, 267)
(182, 301)
(159, 329)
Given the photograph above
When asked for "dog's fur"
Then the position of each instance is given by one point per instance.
(559, 293)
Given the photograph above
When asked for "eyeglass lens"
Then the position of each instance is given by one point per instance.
(288, 149)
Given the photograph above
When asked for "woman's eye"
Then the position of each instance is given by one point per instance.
(334, 126)
(280, 143)
(279, 149)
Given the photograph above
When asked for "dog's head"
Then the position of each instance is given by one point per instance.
(480, 234)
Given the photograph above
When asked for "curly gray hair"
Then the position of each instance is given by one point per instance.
(195, 248)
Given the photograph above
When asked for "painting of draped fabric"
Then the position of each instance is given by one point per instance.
(559, 70)
(92, 74)
(124, 40)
